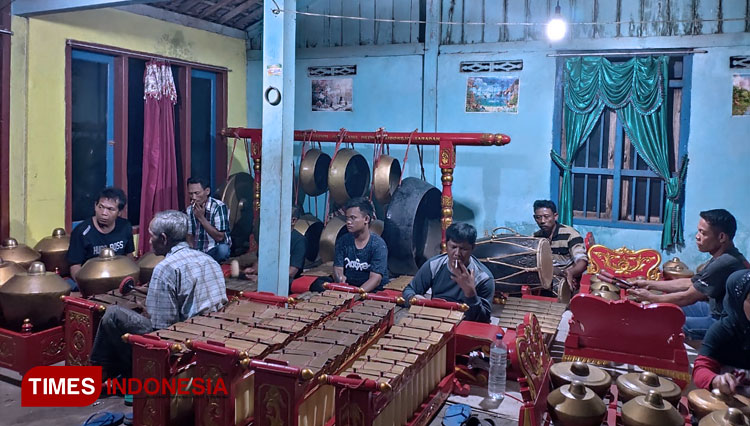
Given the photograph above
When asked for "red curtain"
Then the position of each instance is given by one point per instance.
(159, 185)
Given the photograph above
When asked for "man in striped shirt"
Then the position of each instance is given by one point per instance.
(208, 224)
(568, 251)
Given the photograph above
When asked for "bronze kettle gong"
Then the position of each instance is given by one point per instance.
(728, 417)
(675, 269)
(635, 384)
(386, 178)
(702, 402)
(594, 378)
(7, 270)
(650, 410)
(33, 295)
(54, 251)
(313, 173)
(575, 405)
(348, 176)
(335, 228)
(146, 264)
(21, 254)
(105, 272)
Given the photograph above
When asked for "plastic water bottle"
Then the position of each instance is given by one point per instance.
(498, 365)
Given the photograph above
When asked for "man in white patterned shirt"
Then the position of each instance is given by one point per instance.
(186, 283)
(208, 225)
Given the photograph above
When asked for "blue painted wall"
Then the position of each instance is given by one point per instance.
(495, 186)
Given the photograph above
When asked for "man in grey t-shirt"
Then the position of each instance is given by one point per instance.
(701, 296)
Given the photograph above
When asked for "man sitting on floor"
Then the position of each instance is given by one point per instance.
(208, 227)
(457, 276)
(186, 283)
(716, 229)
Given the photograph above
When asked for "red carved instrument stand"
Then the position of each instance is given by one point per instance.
(82, 318)
(24, 350)
(447, 155)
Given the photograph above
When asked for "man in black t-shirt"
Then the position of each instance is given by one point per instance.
(104, 229)
(361, 257)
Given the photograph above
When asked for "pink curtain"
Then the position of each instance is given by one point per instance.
(159, 185)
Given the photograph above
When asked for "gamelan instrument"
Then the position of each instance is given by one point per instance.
(405, 375)
(632, 385)
(13, 251)
(512, 310)
(105, 272)
(728, 417)
(386, 178)
(594, 378)
(676, 269)
(54, 250)
(650, 410)
(334, 229)
(516, 260)
(33, 297)
(313, 174)
(311, 228)
(238, 195)
(412, 226)
(703, 402)
(348, 176)
(576, 405)
(146, 265)
(7, 270)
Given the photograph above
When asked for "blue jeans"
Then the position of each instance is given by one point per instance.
(698, 319)
(109, 351)
(219, 252)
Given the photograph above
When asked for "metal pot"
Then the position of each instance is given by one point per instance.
(335, 228)
(348, 176)
(728, 417)
(311, 228)
(575, 405)
(412, 226)
(386, 178)
(146, 265)
(594, 378)
(8, 270)
(650, 410)
(602, 286)
(703, 402)
(105, 272)
(54, 251)
(21, 254)
(607, 295)
(636, 384)
(33, 295)
(313, 174)
(675, 269)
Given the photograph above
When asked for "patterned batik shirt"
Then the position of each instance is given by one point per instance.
(217, 214)
(186, 283)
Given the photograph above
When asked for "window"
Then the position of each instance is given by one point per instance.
(105, 125)
(612, 185)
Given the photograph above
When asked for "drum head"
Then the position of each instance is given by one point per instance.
(544, 262)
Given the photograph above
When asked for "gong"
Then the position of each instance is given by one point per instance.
(348, 176)
(385, 178)
(313, 175)
(237, 194)
(309, 226)
(412, 226)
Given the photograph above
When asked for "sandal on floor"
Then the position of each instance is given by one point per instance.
(104, 418)
(456, 415)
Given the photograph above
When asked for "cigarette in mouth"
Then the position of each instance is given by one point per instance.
(455, 263)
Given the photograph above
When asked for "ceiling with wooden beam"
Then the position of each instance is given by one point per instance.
(238, 14)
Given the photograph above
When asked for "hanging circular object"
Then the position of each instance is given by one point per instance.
(334, 229)
(631, 385)
(386, 178)
(12, 251)
(575, 405)
(376, 227)
(728, 417)
(54, 251)
(238, 194)
(313, 175)
(594, 378)
(348, 176)
(33, 295)
(412, 226)
(146, 265)
(311, 228)
(650, 410)
(105, 272)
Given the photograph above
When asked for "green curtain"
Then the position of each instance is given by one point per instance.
(636, 90)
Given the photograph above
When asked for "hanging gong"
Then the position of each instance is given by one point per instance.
(376, 227)
(54, 250)
(386, 177)
(348, 176)
(412, 226)
(237, 194)
(335, 228)
(313, 174)
(311, 228)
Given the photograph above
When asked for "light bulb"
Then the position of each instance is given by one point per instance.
(556, 28)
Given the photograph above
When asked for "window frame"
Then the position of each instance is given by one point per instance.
(183, 107)
(617, 172)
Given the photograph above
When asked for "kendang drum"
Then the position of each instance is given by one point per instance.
(516, 260)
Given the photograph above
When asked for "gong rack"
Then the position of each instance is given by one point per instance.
(447, 154)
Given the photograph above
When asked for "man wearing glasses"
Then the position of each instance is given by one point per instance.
(568, 251)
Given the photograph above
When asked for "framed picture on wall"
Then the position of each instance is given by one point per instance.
(333, 94)
(492, 94)
(741, 94)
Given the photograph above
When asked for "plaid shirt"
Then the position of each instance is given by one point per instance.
(217, 214)
(186, 283)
